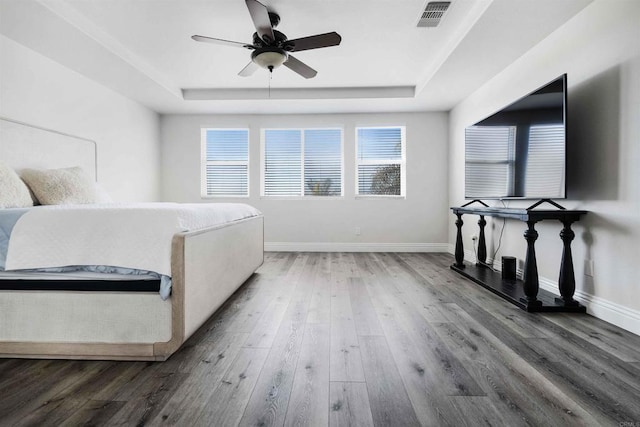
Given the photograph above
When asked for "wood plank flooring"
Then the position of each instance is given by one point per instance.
(351, 339)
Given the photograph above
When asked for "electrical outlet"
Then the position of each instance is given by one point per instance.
(357, 231)
(588, 267)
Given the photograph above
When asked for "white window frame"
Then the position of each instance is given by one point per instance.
(303, 196)
(204, 163)
(402, 163)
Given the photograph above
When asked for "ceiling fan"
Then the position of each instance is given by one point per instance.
(271, 48)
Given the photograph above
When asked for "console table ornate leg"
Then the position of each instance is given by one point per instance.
(567, 280)
(459, 253)
(482, 244)
(530, 278)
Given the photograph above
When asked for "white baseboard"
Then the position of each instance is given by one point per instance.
(616, 314)
(353, 247)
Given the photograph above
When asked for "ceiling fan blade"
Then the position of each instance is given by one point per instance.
(300, 67)
(315, 42)
(221, 41)
(260, 16)
(249, 69)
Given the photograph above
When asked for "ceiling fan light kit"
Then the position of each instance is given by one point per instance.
(270, 47)
(269, 57)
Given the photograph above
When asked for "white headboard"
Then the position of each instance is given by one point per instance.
(23, 145)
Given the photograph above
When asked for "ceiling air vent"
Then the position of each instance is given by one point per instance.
(433, 13)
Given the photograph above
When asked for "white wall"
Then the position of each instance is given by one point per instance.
(39, 91)
(418, 222)
(600, 51)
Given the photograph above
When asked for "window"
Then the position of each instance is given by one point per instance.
(225, 169)
(380, 159)
(490, 159)
(302, 162)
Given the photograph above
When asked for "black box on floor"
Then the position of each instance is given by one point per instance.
(508, 268)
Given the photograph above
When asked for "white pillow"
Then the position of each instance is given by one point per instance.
(60, 186)
(13, 192)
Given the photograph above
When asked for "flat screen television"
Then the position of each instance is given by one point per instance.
(520, 151)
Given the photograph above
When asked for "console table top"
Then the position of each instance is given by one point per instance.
(520, 213)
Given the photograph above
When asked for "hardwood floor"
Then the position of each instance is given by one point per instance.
(351, 339)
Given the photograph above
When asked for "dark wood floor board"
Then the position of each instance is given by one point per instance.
(341, 269)
(480, 411)
(514, 384)
(309, 401)
(264, 329)
(523, 323)
(58, 385)
(92, 413)
(364, 315)
(103, 383)
(388, 399)
(241, 312)
(622, 344)
(149, 399)
(269, 401)
(118, 379)
(348, 264)
(52, 413)
(427, 365)
(345, 359)
(231, 309)
(190, 355)
(409, 281)
(591, 383)
(24, 373)
(482, 305)
(12, 370)
(131, 388)
(555, 332)
(608, 368)
(75, 386)
(320, 306)
(349, 405)
(228, 401)
(429, 370)
(195, 391)
(502, 392)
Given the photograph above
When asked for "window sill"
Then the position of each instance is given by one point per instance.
(223, 197)
(373, 197)
(302, 198)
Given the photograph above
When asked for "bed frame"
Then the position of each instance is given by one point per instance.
(207, 266)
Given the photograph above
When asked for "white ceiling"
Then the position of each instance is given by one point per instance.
(143, 49)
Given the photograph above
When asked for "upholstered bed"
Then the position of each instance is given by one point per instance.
(47, 317)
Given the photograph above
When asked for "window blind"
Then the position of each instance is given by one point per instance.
(545, 161)
(490, 155)
(226, 166)
(302, 162)
(380, 158)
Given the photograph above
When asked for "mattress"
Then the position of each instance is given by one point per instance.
(118, 238)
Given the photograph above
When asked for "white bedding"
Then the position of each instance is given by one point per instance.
(136, 236)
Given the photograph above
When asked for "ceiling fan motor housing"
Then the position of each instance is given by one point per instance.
(280, 41)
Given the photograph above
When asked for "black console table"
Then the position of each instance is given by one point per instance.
(524, 293)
